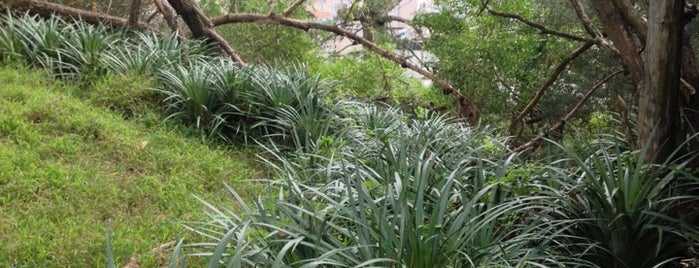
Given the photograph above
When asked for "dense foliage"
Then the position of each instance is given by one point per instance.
(365, 184)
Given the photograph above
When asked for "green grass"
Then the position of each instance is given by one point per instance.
(71, 165)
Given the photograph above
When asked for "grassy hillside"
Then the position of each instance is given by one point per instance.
(71, 165)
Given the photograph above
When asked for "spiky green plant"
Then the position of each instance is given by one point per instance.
(289, 105)
(412, 202)
(148, 53)
(625, 213)
(190, 96)
(33, 39)
(10, 42)
(80, 56)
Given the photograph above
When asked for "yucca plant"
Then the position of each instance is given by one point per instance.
(10, 42)
(405, 204)
(624, 210)
(190, 96)
(287, 105)
(127, 58)
(81, 54)
(147, 53)
(34, 39)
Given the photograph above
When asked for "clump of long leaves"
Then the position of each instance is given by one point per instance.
(432, 193)
(421, 195)
(289, 106)
(149, 53)
(258, 102)
(190, 95)
(67, 50)
(627, 213)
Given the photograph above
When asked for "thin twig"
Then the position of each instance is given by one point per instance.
(538, 26)
(292, 7)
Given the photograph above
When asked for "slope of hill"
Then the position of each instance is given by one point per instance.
(70, 167)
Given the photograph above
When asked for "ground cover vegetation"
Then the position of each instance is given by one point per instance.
(356, 182)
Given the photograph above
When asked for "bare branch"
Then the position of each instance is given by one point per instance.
(538, 26)
(585, 20)
(201, 27)
(558, 127)
(631, 15)
(559, 69)
(292, 7)
(225, 46)
(168, 14)
(46, 9)
(467, 108)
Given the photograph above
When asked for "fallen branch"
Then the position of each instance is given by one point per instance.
(47, 9)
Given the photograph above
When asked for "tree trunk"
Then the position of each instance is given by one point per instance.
(658, 107)
(194, 19)
(619, 33)
(134, 13)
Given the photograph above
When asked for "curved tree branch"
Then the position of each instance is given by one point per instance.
(47, 9)
(558, 127)
(467, 108)
(201, 27)
(559, 69)
(586, 22)
(538, 26)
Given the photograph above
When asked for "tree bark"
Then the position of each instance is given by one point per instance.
(201, 27)
(134, 13)
(658, 105)
(619, 33)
